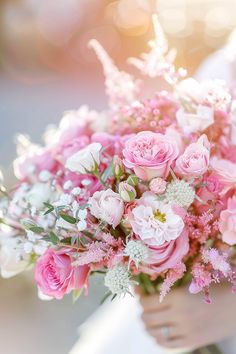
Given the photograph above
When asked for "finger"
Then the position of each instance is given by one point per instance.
(157, 319)
(173, 341)
(159, 334)
(151, 303)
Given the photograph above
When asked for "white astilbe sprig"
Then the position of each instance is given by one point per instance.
(118, 281)
(136, 251)
(121, 87)
(159, 60)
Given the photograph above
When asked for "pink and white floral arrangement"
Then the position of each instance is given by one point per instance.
(144, 192)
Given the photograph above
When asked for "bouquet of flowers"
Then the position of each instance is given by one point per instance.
(143, 192)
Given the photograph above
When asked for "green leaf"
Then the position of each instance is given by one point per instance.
(133, 180)
(107, 173)
(36, 229)
(76, 294)
(73, 239)
(113, 297)
(68, 218)
(53, 238)
(48, 205)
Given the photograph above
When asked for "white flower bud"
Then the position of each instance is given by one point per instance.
(127, 192)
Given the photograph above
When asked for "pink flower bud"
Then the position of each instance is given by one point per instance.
(158, 185)
(118, 167)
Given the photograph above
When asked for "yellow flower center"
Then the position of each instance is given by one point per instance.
(160, 216)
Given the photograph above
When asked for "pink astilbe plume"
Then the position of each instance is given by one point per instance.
(217, 260)
(159, 60)
(172, 276)
(121, 87)
(95, 253)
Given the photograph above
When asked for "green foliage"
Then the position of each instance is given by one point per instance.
(68, 218)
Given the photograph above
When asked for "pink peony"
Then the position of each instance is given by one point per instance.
(227, 223)
(150, 154)
(168, 255)
(55, 275)
(195, 160)
(107, 206)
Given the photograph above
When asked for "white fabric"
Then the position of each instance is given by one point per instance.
(116, 328)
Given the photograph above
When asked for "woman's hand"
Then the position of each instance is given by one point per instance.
(184, 320)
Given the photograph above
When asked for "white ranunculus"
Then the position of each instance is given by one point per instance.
(85, 160)
(38, 194)
(198, 121)
(11, 260)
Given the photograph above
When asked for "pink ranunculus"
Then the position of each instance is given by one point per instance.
(150, 154)
(195, 160)
(167, 255)
(227, 222)
(55, 276)
(107, 206)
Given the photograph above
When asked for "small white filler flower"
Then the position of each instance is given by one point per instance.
(180, 192)
(117, 280)
(136, 251)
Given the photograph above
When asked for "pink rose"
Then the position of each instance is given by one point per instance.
(55, 275)
(167, 255)
(211, 189)
(226, 170)
(150, 154)
(63, 152)
(107, 206)
(195, 160)
(227, 223)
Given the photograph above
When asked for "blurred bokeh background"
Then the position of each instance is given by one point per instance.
(46, 68)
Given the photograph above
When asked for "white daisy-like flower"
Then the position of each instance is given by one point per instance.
(117, 280)
(180, 192)
(136, 251)
(154, 221)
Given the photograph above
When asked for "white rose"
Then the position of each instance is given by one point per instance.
(85, 159)
(11, 260)
(38, 194)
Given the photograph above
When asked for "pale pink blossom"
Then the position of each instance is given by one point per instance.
(150, 154)
(195, 160)
(154, 221)
(55, 276)
(107, 206)
(158, 185)
(227, 224)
